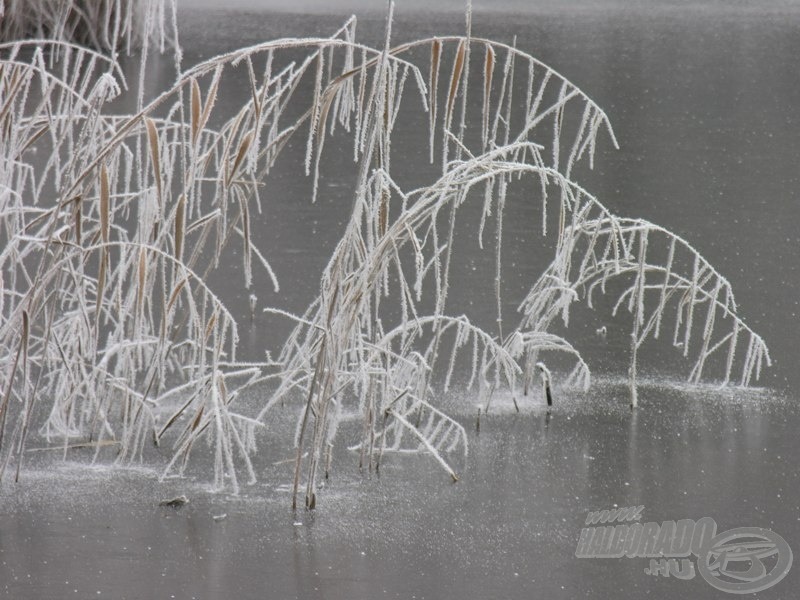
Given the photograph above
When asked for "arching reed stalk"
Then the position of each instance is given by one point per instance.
(107, 318)
(684, 293)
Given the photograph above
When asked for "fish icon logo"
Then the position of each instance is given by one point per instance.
(745, 560)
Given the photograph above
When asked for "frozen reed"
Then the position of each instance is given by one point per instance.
(111, 224)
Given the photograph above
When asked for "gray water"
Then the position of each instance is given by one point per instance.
(706, 106)
(508, 529)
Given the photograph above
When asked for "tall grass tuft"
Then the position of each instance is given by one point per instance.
(112, 335)
(105, 25)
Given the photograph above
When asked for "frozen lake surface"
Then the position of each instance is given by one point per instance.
(509, 528)
(706, 106)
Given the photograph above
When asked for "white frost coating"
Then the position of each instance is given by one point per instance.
(117, 327)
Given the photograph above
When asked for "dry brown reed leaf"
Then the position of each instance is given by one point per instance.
(455, 80)
(196, 109)
(152, 135)
(180, 228)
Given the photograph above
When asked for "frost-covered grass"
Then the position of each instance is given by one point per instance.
(100, 24)
(110, 334)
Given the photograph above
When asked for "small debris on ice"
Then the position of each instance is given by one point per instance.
(175, 502)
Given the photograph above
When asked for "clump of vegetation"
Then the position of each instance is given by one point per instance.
(112, 224)
(105, 25)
